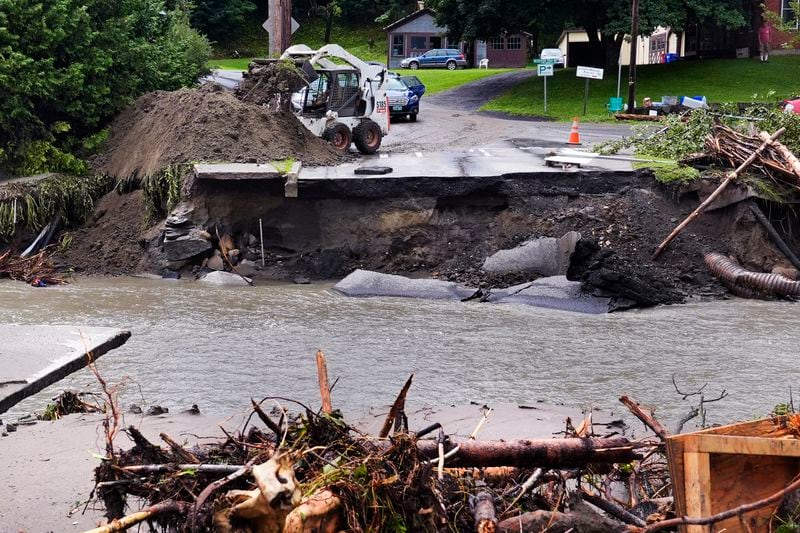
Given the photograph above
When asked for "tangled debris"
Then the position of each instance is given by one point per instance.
(37, 270)
(314, 472)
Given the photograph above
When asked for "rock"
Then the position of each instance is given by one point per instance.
(233, 256)
(367, 283)
(186, 247)
(193, 410)
(215, 262)
(224, 279)
(301, 280)
(251, 240)
(11, 428)
(170, 234)
(226, 242)
(135, 409)
(177, 221)
(546, 256)
(246, 267)
(556, 292)
(171, 274)
(155, 410)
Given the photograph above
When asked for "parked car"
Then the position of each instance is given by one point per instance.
(553, 53)
(404, 93)
(448, 58)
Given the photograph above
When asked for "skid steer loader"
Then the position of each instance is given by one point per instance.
(345, 101)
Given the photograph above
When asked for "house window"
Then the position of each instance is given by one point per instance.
(436, 42)
(496, 43)
(418, 42)
(514, 42)
(398, 45)
(788, 13)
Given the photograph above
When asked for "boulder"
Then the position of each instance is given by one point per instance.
(368, 283)
(186, 247)
(246, 267)
(215, 262)
(545, 256)
(227, 279)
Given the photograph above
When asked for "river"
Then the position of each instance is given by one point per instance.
(218, 347)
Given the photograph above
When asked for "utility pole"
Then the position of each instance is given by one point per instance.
(280, 26)
(632, 63)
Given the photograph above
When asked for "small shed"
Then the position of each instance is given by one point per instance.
(415, 34)
(509, 51)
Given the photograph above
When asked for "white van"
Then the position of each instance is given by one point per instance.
(553, 53)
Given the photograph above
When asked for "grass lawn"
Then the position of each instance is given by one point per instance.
(720, 80)
(438, 80)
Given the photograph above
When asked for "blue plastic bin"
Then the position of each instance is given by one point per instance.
(671, 58)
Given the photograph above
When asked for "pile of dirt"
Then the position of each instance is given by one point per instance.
(111, 240)
(271, 84)
(205, 124)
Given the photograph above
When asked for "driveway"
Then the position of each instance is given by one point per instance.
(471, 96)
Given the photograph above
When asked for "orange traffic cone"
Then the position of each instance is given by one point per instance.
(574, 136)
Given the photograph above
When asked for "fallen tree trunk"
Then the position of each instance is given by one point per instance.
(582, 518)
(549, 453)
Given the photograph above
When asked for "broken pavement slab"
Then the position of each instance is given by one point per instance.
(33, 357)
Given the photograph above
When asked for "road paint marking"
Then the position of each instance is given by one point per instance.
(383, 156)
(418, 154)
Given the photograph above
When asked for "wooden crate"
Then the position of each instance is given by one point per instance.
(722, 468)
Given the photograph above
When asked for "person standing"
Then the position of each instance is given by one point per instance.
(764, 36)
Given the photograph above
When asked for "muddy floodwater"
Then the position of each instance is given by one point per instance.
(218, 347)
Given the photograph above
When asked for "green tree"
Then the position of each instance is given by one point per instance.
(606, 21)
(221, 20)
(67, 66)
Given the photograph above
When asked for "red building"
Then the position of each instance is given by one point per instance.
(784, 8)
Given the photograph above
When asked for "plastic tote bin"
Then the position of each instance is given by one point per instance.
(671, 58)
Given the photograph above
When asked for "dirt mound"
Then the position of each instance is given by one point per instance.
(109, 242)
(206, 124)
(270, 84)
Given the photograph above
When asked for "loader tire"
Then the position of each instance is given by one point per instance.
(367, 136)
(339, 136)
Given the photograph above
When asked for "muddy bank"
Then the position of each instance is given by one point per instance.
(446, 228)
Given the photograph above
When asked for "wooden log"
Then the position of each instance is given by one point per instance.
(398, 407)
(787, 154)
(266, 419)
(643, 118)
(147, 513)
(184, 455)
(324, 384)
(545, 453)
(732, 175)
(648, 420)
(484, 513)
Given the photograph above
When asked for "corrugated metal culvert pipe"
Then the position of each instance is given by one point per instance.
(749, 284)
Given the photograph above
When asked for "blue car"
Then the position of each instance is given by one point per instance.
(448, 58)
(404, 93)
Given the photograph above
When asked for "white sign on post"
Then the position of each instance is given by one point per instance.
(590, 73)
(544, 70)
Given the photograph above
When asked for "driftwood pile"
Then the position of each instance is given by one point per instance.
(36, 270)
(776, 162)
(314, 472)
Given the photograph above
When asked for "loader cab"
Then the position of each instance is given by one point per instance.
(337, 90)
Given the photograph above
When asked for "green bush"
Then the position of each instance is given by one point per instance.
(67, 66)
